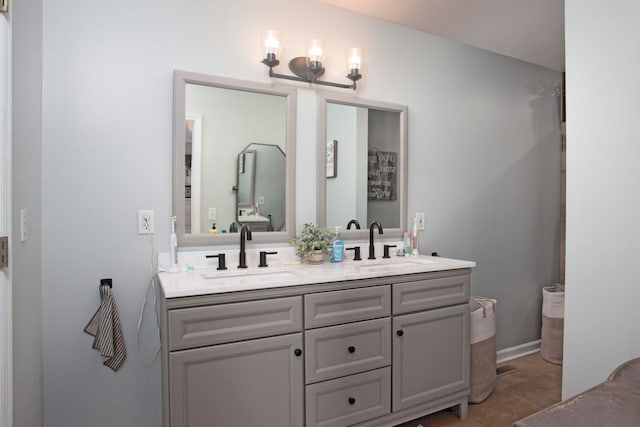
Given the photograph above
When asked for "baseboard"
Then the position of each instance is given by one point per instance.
(510, 353)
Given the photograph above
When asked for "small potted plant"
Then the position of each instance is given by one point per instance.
(312, 243)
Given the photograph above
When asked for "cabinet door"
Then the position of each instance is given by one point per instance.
(248, 383)
(430, 355)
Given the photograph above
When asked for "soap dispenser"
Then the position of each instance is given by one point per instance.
(337, 246)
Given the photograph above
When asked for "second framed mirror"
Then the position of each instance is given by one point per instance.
(362, 165)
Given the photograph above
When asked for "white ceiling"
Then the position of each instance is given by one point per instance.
(530, 30)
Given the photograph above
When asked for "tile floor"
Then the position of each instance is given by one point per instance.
(527, 385)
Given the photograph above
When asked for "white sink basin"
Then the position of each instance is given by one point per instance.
(247, 276)
(388, 266)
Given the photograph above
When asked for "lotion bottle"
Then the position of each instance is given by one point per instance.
(407, 244)
(415, 236)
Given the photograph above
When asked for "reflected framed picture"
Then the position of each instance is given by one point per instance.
(332, 159)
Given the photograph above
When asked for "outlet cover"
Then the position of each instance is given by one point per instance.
(420, 220)
(212, 214)
(146, 222)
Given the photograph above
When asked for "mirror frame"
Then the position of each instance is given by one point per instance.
(180, 80)
(321, 179)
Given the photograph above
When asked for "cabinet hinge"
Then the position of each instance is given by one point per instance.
(4, 251)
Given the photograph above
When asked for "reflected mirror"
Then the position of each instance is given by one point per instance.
(362, 175)
(261, 177)
(234, 157)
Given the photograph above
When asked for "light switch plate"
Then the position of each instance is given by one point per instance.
(24, 225)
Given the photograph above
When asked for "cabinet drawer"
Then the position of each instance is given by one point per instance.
(349, 400)
(341, 350)
(215, 324)
(430, 293)
(332, 308)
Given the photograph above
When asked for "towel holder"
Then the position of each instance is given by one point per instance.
(107, 282)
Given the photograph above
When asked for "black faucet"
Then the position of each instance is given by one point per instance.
(353, 222)
(245, 234)
(371, 248)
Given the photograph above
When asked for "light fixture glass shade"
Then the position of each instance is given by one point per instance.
(315, 52)
(272, 43)
(355, 59)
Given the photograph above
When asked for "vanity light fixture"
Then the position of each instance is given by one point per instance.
(309, 68)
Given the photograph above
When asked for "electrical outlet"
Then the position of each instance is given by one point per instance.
(420, 220)
(261, 200)
(212, 214)
(146, 222)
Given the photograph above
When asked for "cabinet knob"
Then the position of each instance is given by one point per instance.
(400, 333)
(351, 349)
(297, 352)
(352, 401)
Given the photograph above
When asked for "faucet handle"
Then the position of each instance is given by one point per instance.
(221, 261)
(386, 250)
(356, 253)
(263, 258)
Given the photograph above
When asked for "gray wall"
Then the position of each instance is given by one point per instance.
(602, 320)
(483, 165)
(26, 274)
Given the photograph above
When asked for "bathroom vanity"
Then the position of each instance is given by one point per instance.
(372, 343)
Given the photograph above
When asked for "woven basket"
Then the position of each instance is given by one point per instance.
(483, 348)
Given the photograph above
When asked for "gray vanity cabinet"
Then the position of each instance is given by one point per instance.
(368, 353)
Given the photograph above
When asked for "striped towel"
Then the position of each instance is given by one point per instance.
(105, 327)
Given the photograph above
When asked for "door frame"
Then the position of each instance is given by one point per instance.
(6, 381)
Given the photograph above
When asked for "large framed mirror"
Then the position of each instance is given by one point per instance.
(362, 165)
(234, 159)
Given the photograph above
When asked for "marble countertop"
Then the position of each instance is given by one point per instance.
(198, 277)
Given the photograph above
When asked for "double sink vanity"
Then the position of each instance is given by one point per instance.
(369, 343)
(375, 342)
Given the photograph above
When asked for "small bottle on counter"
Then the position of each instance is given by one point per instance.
(406, 243)
(414, 242)
(337, 246)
